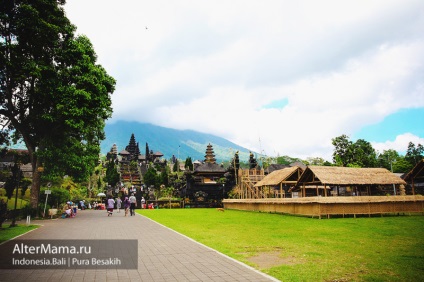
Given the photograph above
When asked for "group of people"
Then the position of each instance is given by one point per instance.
(129, 205)
(95, 205)
(69, 210)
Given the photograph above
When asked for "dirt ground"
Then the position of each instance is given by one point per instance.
(270, 259)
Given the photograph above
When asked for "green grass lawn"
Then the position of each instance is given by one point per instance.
(11, 203)
(7, 233)
(305, 249)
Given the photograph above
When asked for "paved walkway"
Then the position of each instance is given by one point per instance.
(163, 254)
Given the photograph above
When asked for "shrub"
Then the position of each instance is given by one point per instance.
(167, 199)
(27, 194)
(27, 210)
(173, 206)
(57, 197)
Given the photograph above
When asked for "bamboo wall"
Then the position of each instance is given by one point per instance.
(319, 206)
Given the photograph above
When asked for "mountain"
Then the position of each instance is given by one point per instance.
(180, 143)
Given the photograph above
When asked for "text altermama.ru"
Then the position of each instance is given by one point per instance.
(24, 249)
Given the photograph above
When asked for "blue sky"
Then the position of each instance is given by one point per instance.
(279, 104)
(409, 120)
(406, 124)
(278, 77)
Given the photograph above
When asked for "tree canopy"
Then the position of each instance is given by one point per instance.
(362, 154)
(354, 154)
(342, 154)
(286, 160)
(112, 176)
(13, 180)
(53, 96)
(414, 154)
(150, 177)
(188, 164)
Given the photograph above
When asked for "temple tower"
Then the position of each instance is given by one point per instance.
(210, 156)
(132, 148)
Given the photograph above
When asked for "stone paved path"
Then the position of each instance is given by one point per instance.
(163, 254)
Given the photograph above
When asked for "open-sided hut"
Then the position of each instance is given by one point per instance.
(279, 181)
(416, 178)
(347, 181)
(316, 180)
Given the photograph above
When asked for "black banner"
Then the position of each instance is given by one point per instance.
(69, 254)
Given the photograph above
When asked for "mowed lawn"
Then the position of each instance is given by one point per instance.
(7, 233)
(291, 248)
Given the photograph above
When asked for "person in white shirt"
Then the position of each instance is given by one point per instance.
(110, 206)
(133, 204)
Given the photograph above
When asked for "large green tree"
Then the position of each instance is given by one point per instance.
(163, 178)
(150, 177)
(188, 164)
(13, 180)
(414, 154)
(363, 154)
(53, 96)
(342, 154)
(286, 160)
(387, 158)
(356, 154)
(393, 161)
(112, 176)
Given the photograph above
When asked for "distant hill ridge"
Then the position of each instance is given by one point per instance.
(185, 143)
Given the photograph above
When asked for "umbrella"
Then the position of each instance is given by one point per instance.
(101, 195)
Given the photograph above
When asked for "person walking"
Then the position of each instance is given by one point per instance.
(127, 205)
(118, 204)
(133, 204)
(110, 206)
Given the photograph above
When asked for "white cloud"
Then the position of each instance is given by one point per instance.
(400, 143)
(211, 66)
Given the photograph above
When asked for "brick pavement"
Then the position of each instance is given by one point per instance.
(163, 254)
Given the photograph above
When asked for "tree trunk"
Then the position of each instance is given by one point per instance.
(35, 186)
(89, 186)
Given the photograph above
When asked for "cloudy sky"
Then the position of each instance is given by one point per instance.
(278, 77)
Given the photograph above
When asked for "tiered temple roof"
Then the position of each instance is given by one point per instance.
(133, 148)
(132, 153)
(210, 156)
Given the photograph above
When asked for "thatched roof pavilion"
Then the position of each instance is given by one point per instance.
(346, 176)
(278, 178)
